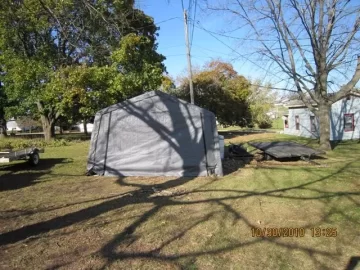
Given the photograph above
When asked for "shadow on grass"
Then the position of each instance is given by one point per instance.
(74, 136)
(22, 174)
(111, 250)
(233, 164)
(335, 144)
(353, 262)
(236, 133)
(161, 196)
(144, 194)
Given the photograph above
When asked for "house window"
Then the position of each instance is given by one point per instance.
(349, 122)
(297, 122)
(312, 124)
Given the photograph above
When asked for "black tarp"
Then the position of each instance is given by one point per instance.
(286, 149)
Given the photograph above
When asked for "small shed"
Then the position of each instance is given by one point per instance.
(154, 134)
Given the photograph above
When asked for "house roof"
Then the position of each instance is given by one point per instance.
(298, 103)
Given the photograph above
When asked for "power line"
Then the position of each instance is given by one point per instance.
(210, 50)
(173, 18)
(192, 56)
(193, 25)
(170, 47)
(213, 35)
(275, 88)
(180, 54)
(157, 23)
(264, 40)
(241, 55)
(190, 6)
(198, 56)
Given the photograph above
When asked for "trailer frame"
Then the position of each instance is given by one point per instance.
(31, 154)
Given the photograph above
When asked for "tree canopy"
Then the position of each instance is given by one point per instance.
(81, 54)
(167, 84)
(261, 101)
(218, 88)
(3, 103)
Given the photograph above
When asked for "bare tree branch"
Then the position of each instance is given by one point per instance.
(347, 88)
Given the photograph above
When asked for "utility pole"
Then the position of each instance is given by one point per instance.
(188, 57)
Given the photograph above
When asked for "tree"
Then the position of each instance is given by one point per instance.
(27, 122)
(3, 102)
(167, 84)
(42, 42)
(218, 88)
(261, 101)
(315, 43)
(136, 68)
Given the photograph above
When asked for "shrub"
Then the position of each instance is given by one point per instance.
(57, 143)
(265, 124)
(20, 143)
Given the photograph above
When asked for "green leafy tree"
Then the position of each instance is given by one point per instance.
(218, 88)
(28, 123)
(261, 101)
(136, 68)
(3, 102)
(45, 44)
(167, 84)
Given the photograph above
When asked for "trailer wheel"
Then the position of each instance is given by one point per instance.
(34, 159)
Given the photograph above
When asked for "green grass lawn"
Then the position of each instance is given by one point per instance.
(54, 217)
(278, 124)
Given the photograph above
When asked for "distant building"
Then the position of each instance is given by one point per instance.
(11, 125)
(80, 127)
(344, 119)
(279, 108)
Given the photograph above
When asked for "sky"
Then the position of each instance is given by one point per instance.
(208, 43)
(168, 15)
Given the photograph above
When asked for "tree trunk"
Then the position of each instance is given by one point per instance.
(49, 128)
(48, 122)
(85, 127)
(3, 132)
(324, 123)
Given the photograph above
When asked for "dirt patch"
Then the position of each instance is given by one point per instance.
(246, 137)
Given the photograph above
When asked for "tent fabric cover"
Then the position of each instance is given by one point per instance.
(154, 134)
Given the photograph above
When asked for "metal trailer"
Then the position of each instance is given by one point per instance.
(31, 154)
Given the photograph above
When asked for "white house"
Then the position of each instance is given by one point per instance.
(344, 119)
(11, 125)
(80, 127)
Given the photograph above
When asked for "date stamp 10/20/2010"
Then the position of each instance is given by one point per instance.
(293, 232)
